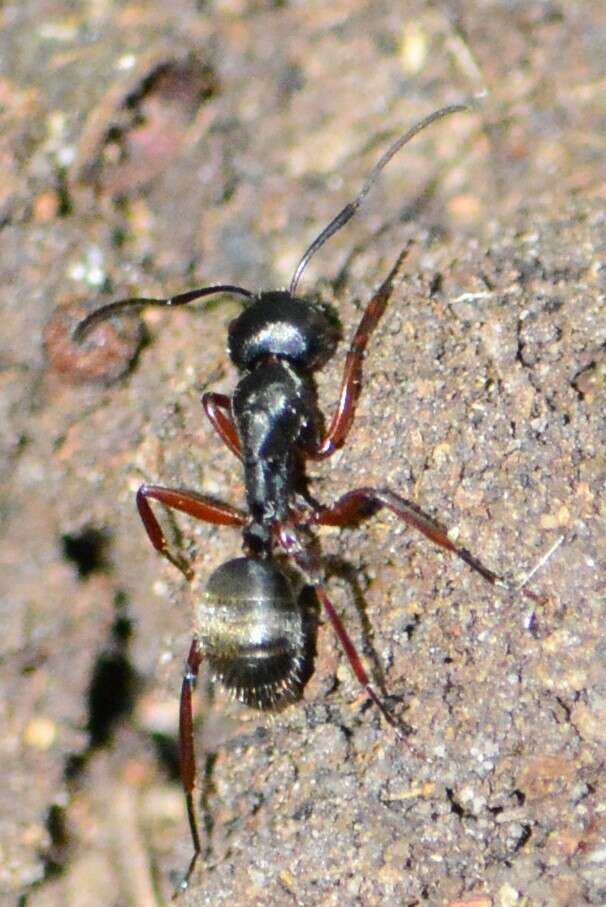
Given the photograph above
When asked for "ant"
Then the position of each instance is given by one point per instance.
(250, 621)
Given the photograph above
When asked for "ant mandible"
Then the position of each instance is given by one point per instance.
(249, 622)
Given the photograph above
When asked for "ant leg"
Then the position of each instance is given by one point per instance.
(355, 660)
(364, 502)
(190, 502)
(187, 755)
(309, 563)
(351, 383)
(213, 405)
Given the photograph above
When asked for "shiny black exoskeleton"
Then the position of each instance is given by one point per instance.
(249, 622)
(277, 342)
(251, 629)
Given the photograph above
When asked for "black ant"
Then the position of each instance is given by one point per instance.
(249, 622)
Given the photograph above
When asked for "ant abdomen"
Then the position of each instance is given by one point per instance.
(250, 628)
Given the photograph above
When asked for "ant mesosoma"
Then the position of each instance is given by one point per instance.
(249, 623)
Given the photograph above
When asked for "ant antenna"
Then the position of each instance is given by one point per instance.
(350, 209)
(113, 308)
(107, 311)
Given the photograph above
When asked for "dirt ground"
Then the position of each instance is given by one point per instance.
(147, 149)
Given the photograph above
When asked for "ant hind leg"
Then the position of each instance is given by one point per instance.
(187, 755)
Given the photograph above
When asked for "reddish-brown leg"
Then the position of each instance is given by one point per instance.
(187, 753)
(309, 563)
(351, 383)
(363, 502)
(214, 406)
(354, 659)
(189, 502)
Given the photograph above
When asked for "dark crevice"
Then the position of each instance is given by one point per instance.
(520, 356)
(411, 628)
(56, 826)
(112, 688)
(110, 698)
(456, 807)
(66, 205)
(435, 285)
(565, 708)
(74, 766)
(523, 839)
(86, 550)
(111, 691)
(167, 754)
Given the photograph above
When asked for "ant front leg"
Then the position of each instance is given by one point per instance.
(187, 753)
(351, 383)
(190, 502)
(214, 404)
(364, 502)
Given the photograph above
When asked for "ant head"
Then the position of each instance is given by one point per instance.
(279, 324)
(251, 629)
